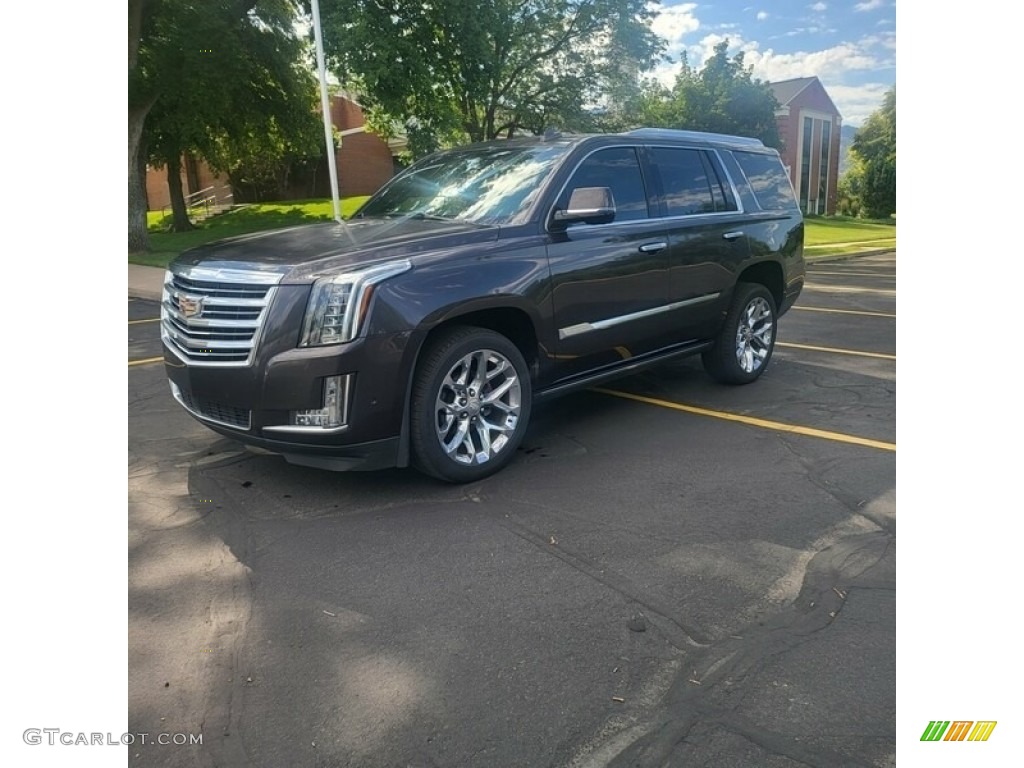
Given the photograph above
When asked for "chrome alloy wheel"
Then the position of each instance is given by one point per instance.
(754, 335)
(477, 407)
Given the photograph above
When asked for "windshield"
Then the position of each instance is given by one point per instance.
(492, 184)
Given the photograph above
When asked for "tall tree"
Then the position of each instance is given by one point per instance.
(141, 96)
(722, 97)
(207, 77)
(477, 69)
(875, 145)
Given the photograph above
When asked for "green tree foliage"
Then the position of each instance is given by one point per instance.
(479, 69)
(226, 79)
(875, 147)
(722, 97)
(850, 188)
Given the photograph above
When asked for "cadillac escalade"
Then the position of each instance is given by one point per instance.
(477, 282)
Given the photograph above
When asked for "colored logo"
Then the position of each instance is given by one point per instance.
(959, 730)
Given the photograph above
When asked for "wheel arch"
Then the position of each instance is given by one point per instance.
(769, 274)
(512, 319)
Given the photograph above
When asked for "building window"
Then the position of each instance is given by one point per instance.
(823, 168)
(805, 165)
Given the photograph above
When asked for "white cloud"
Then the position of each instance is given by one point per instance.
(870, 5)
(856, 102)
(768, 65)
(674, 23)
(761, 15)
(810, 31)
(819, 7)
(831, 65)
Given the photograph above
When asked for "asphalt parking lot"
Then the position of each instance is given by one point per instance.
(672, 572)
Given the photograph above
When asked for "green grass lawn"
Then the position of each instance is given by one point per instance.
(825, 236)
(823, 232)
(240, 221)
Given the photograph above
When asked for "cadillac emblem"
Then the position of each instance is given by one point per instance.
(190, 306)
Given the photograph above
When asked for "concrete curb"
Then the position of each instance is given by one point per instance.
(846, 256)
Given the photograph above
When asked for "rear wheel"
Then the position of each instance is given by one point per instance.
(470, 405)
(746, 341)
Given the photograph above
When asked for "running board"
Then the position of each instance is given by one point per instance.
(618, 370)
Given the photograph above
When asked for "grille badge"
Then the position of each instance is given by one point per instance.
(190, 306)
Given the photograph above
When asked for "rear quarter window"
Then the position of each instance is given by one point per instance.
(768, 180)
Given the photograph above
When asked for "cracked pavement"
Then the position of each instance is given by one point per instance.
(641, 587)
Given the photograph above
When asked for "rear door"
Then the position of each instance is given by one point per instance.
(707, 241)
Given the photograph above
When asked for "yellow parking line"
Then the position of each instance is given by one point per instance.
(846, 311)
(145, 361)
(838, 437)
(147, 320)
(854, 352)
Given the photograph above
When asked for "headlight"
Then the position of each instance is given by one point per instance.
(338, 304)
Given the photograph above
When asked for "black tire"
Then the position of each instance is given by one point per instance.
(458, 435)
(744, 345)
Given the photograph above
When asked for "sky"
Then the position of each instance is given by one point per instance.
(849, 45)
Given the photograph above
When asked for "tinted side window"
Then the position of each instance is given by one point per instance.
(768, 180)
(684, 181)
(725, 200)
(619, 170)
(739, 180)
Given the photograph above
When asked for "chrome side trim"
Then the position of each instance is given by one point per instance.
(598, 325)
(298, 430)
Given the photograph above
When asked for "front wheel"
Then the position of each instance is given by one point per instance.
(470, 405)
(745, 343)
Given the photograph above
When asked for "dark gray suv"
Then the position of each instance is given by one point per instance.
(477, 282)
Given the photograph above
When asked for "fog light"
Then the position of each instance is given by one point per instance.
(335, 410)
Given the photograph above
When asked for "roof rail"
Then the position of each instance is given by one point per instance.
(671, 133)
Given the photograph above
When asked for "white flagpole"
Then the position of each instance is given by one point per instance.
(326, 105)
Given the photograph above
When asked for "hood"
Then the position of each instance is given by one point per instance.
(305, 252)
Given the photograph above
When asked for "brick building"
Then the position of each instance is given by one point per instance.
(809, 126)
(364, 160)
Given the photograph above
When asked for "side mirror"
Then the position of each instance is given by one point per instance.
(590, 205)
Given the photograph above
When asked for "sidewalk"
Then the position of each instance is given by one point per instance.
(145, 282)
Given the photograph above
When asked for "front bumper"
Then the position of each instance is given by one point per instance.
(251, 404)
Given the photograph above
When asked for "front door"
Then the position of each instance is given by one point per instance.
(609, 281)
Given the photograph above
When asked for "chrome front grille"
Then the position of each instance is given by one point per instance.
(214, 317)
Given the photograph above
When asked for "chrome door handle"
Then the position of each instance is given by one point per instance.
(733, 235)
(653, 247)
